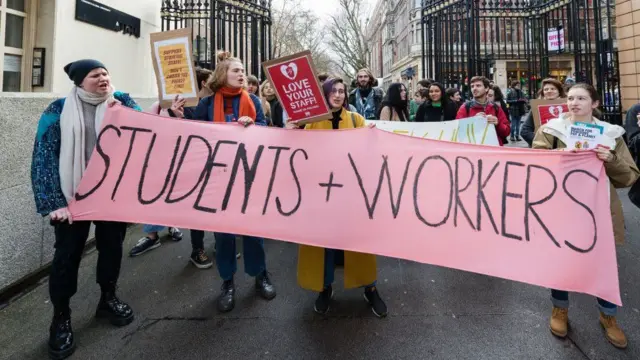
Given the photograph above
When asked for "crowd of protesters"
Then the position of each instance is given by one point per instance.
(67, 135)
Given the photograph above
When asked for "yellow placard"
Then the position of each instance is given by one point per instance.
(175, 67)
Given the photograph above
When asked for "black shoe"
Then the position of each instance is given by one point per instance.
(110, 307)
(226, 300)
(378, 306)
(519, 138)
(264, 287)
(323, 300)
(175, 233)
(200, 259)
(61, 341)
(512, 139)
(145, 244)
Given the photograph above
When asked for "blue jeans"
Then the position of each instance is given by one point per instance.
(254, 258)
(152, 228)
(330, 267)
(515, 126)
(560, 298)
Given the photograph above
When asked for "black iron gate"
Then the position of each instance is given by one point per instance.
(242, 27)
(524, 40)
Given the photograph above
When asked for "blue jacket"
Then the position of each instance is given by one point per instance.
(45, 163)
(204, 111)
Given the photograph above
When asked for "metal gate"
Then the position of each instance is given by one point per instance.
(242, 27)
(525, 40)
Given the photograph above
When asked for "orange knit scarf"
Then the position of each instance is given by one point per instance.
(246, 104)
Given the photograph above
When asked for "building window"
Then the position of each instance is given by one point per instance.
(12, 30)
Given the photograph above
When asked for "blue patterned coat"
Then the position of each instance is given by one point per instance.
(45, 173)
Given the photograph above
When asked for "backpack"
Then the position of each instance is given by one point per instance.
(467, 107)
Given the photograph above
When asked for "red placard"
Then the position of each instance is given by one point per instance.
(295, 82)
(545, 110)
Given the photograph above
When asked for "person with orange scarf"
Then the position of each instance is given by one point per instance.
(230, 102)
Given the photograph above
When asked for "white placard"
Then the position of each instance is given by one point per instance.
(473, 130)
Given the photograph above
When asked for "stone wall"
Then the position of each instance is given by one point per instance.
(26, 239)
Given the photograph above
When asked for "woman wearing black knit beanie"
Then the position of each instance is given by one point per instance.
(66, 137)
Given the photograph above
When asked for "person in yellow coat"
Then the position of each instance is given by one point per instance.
(316, 265)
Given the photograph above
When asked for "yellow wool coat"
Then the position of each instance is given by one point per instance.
(622, 171)
(359, 269)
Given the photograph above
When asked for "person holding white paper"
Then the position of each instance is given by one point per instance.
(622, 171)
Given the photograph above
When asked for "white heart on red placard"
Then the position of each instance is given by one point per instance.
(290, 70)
(556, 111)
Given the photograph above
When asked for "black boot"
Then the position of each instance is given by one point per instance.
(264, 287)
(61, 341)
(110, 307)
(226, 300)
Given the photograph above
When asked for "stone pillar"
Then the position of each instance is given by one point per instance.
(500, 74)
(628, 33)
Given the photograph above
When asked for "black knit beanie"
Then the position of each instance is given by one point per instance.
(78, 70)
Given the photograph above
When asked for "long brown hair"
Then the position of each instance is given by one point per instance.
(219, 78)
(557, 84)
(372, 79)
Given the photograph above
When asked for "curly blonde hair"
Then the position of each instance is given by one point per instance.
(219, 78)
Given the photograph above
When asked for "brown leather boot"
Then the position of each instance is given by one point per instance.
(614, 333)
(559, 323)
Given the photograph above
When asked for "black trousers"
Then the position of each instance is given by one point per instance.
(197, 240)
(70, 242)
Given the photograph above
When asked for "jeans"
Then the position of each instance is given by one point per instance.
(560, 299)
(69, 246)
(254, 257)
(330, 267)
(515, 126)
(152, 228)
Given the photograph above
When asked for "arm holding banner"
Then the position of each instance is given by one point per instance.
(503, 127)
(260, 119)
(202, 110)
(126, 100)
(45, 171)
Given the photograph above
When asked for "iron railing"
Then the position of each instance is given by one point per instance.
(242, 27)
(464, 38)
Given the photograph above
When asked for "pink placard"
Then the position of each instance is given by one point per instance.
(539, 217)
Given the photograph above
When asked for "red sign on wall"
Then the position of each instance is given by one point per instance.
(295, 82)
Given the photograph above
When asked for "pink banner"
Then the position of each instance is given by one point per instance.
(532, 216)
